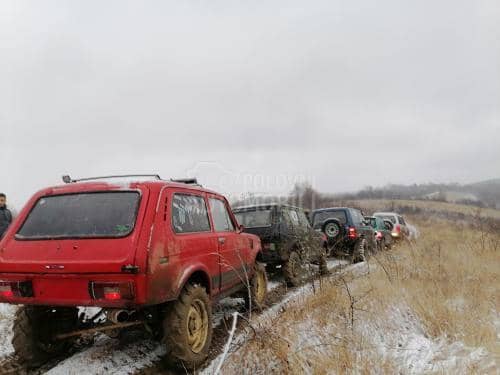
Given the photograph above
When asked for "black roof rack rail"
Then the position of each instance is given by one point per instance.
(67, 178)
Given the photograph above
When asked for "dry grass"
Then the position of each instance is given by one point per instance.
(444, 290)
(451, 280)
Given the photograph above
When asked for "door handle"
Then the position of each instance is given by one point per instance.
(222, 240)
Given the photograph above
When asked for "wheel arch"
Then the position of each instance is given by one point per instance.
(197, 275)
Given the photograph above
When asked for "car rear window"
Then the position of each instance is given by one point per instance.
(320, 217)
(83, 215)
(391, 218)
(254, 219)
(357, 217)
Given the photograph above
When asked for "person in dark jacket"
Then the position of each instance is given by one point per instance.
(5, 215)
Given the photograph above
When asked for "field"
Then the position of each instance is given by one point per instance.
(427, 306)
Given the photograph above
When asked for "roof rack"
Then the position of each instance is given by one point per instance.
(190, 181)
(68, 180)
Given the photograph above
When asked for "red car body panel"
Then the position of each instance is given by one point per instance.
(155, 260)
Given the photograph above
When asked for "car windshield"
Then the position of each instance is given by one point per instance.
(85, 215)
(320, 217)
(391, 218)
(254, 219)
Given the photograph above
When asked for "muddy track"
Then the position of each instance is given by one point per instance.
(11, 365)
(221, 332)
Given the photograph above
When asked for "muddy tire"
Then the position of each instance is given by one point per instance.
(187, 328)
(258, 289)
(294, 270)
(360, 250)
(34, 328)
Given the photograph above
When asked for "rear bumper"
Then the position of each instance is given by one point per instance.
(74, 289)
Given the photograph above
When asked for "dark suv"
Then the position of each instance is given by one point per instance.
(346, 231)
(288, 240)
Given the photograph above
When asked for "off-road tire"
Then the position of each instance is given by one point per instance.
(256, 299)
(179, 320)
(332, 230)
(34, 327)
(294, 269)
(360, 251)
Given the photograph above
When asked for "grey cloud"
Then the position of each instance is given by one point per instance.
(347, 93)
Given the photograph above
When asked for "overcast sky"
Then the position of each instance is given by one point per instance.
(250, 95)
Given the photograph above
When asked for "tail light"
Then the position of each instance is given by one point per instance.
(6, 290)
(352, 232)
(10, 289)
(111, 291)
(398, 228)
(379, 235)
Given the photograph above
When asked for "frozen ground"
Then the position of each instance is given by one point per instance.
(400, 337)
(6, 317)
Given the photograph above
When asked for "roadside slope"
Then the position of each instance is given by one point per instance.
(430, 307)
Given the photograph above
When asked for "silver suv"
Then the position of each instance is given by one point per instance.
(400, 229)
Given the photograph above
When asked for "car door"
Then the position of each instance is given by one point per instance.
(232, 255)
(192, 242)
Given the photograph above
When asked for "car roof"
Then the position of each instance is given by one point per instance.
(386, 213)
(95, 185)
(334, 209)
(263, 206)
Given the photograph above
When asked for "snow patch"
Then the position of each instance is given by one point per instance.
(7, 313)
(107, 357)
(400, 337)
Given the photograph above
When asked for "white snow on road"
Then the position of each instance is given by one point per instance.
(106, 357)
(7, 313)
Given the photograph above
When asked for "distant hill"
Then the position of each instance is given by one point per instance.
(481, 194)
(485, 194)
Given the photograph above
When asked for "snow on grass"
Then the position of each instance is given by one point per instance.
(7, 313)
(399, 336)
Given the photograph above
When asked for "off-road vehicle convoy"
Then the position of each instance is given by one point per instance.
(288, 241)
(153, 254)
(346, 230)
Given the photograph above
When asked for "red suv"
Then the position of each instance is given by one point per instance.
(152, 254)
